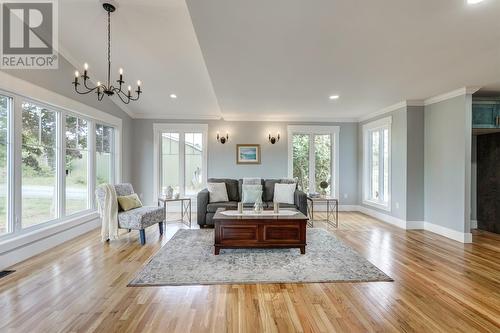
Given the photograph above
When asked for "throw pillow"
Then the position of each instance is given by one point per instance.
(252, 181)
(128, 202)
(283, 193)
(217, 192)
(251, 193)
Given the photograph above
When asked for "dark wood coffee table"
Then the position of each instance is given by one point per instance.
(260, 231)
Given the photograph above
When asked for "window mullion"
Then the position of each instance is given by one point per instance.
(91, 164)
(182, 163)
(312, 164)
(370, 165)
(61, 164)
(160, 163)
(15, 166)
(380, 165)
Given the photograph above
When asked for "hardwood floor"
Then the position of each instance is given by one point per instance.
(439, 286)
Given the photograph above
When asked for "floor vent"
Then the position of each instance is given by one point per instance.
(5, 273)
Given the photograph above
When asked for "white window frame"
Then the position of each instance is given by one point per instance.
(380, 124)
(160, 128)
(334, 132)
(21, 91)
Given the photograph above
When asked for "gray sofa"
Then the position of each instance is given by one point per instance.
(206, 210)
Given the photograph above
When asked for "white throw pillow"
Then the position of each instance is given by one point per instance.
(283, 193)
(217, 192)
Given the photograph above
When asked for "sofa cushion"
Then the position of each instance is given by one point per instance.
(268, 193)
(141, 218)
(231, 186)
(212, 207)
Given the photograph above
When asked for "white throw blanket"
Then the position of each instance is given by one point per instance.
(109, 214)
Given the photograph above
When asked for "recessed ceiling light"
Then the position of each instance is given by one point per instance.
(332, 97)
(173, 96)
(473, 2)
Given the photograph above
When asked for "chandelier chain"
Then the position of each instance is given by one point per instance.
(109, 49)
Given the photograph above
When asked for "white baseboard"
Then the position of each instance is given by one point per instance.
(46, 241)
(418, 225)
(463, 237)
(415, 225)
(473, 224)
(348, 208)
(383, 217)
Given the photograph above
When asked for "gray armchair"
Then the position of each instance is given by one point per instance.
(138, 218)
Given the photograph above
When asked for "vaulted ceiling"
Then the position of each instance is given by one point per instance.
(282, 59)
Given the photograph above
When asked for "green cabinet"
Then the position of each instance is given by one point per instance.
(486, 114)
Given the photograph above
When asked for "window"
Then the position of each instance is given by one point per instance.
(182, 158)
(313, 156)
(76, 164)
(376, 163)
(5, 106)
(104, 146)
(51, 160)
(39, 164)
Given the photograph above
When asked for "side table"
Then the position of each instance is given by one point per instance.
(332, 209)
(185, 208)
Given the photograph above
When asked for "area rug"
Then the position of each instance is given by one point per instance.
(188, 259)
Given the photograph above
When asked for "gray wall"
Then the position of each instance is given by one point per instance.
(398, 163)
(445, 163)
(473, 203)
(59, 81)
(222, 158)
(415, 164)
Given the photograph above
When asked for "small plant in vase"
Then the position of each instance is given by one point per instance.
(324, 185)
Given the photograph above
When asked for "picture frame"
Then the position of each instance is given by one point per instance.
(248, 154)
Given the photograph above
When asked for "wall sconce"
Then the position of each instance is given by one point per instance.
(273, 139)
(222, 139)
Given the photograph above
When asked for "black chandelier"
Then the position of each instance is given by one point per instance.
(107, 89)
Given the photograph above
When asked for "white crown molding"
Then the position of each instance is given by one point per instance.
(177, 116)
(288, 118)
(415, 102)
(451, 94)
(65, 53)
(385, 110)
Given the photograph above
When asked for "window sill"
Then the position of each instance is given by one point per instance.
(12, 242)
(378, 205)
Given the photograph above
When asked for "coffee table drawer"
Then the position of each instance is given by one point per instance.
(239, 233)
(281, 233)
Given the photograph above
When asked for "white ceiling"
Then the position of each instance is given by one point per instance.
(281, 59)
(154, 41)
